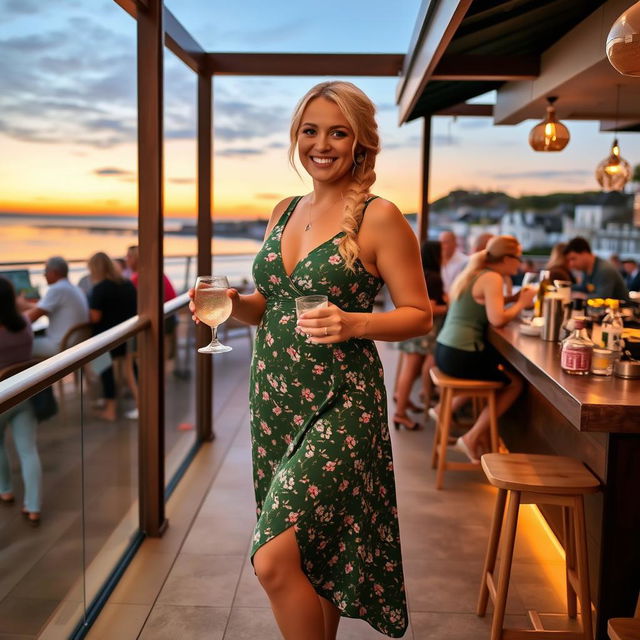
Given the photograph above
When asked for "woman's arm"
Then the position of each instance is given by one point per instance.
(490, 286)
(248, 308)
(397, 258)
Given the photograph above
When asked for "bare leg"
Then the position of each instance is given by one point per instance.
(427, 383)
(331, 618)
(409, 371)
(294, 601)
(504, 399)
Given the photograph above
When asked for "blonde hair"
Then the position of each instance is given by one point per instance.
(359, 112)
(557, 256)
(497, 249)
(101, 266)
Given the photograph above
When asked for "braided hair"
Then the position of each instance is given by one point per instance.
(359, 112)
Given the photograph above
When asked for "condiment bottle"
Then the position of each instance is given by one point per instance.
(577, 351)
(545, 282)
(612, 327)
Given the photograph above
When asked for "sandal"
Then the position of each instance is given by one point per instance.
(408, 424)
(32, 517)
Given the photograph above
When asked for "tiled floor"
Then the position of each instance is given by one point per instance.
(210, 592)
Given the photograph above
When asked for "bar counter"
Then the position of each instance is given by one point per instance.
(597, 420)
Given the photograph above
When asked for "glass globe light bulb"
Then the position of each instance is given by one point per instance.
(623, 42)
(614, 171)
(550, 134)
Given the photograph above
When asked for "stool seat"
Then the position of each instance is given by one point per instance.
(624, 629)
(443, 380)
(539, 473)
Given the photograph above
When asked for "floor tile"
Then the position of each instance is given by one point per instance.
(467, 626)
(202, 580)
(250, 593)
(168, 622)
(122, 621)
(247, 623)
(144, 578)
(220, 535)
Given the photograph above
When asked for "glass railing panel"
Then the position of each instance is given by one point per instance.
(41, 564)
(110, 457)
(180, 395)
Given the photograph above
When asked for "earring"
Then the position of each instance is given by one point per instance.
(360, 158)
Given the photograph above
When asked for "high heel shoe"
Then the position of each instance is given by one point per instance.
(408, 424)
(32, 517)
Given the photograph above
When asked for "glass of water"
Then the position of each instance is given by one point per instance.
(306, 303)
(213, 307)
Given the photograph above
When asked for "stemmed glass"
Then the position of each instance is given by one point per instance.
(531, 280)
(213, 307)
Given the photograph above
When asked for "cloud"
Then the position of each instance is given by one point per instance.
(240, 120)
(112, 171)
(244, 152)
(181, 180)
(268, 196)
(23, 7)
(575, 175)
(444, 140)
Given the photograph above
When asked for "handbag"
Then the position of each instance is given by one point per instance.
(44, 404)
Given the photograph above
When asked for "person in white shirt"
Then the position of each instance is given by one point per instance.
(453, 260)
(64, 304)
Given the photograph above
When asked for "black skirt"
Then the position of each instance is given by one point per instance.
(471, 365)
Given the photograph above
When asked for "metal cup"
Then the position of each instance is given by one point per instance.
(553, 314)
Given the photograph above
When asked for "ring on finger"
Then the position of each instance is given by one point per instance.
(326, 331)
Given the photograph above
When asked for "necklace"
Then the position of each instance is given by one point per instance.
(309, 223)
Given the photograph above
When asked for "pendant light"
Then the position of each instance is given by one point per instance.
(623, 42)
(614, 172)
(550, 134)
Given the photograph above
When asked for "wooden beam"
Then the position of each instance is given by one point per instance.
(129, 6)
(150, 284)
(465, 109)
(487, 68)
(305, 64)
(423, 216)
(436, 31)
(204, 361)
(180, 42)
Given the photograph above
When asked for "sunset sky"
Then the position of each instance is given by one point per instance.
(68, 112)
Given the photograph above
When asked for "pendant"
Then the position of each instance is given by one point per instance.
(308, 227)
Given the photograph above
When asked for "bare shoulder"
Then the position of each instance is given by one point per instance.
(382, 215)
(277, 212)
(490, 279)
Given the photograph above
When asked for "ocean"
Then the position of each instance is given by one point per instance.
(32, 239)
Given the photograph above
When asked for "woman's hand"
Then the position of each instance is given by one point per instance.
(527, 296)
(325, 325)
(232, 293)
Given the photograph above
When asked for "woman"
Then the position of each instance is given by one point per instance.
(326, 542)
(16, 342)
(477, 300)
(417, 353)
(112, 301)
(557, 264)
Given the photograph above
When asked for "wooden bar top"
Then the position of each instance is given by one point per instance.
(590, 403)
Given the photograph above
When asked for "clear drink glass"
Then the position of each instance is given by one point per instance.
(306, 303)
(213, 307)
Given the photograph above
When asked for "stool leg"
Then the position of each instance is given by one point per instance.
(583, 567)
(436, 435)
(444, 424)
(506, 557)
(492, 550)
(493, 422)
(570, 553)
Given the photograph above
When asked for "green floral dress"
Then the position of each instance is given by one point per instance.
(320, 439)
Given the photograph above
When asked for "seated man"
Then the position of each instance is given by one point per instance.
(63, 303)
(600, 279)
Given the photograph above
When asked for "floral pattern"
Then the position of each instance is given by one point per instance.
(320, 439)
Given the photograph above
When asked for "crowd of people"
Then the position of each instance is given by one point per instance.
(469, 293)
(103, 298)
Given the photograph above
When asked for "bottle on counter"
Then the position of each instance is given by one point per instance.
(577, 351)
(545, 283)
(612, 326)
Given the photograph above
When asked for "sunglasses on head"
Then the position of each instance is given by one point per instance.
(511, 255)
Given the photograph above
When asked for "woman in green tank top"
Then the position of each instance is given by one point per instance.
(477, 300)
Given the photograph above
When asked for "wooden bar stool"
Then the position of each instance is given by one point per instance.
(450, 387)
(625, 628)
(537, 479)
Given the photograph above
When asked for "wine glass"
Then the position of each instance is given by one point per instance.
(531, 280)
(213, 307)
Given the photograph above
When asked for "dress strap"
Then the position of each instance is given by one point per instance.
(289, 210)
